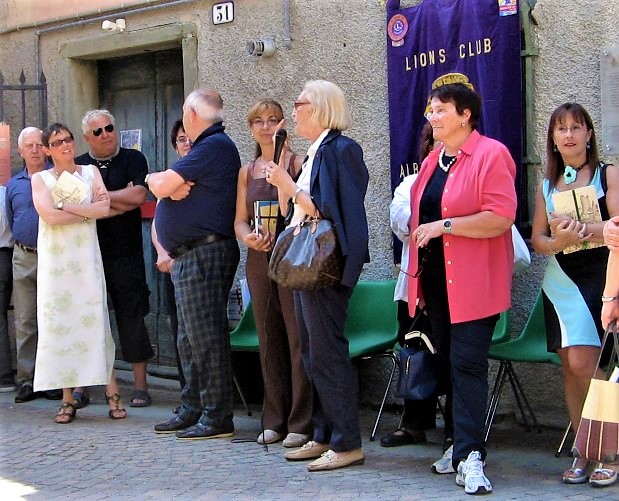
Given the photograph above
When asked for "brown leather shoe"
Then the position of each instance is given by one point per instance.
(311, 450)
(331, 460)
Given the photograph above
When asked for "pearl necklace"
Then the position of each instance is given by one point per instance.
(570, 173)
(444, 167)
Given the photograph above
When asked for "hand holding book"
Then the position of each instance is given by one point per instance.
(579, 206)
(69, 189)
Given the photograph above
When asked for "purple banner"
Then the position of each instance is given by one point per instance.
(478, 38)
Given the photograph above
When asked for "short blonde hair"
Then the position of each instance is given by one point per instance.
(329, 103)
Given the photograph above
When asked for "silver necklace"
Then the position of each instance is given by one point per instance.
(444, 167)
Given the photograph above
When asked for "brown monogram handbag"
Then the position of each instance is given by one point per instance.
(307, 256)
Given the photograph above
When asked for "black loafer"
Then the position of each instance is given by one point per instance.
(175, 424)
(403, 437)
(203, 432)
(25, 394)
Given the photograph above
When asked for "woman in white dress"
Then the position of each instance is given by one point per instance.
(75, 346)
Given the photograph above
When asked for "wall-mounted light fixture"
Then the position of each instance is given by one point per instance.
(114, 27)
(263, 47)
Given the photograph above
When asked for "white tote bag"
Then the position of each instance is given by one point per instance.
(522, 256)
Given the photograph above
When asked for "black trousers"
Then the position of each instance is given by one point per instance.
(125, 279)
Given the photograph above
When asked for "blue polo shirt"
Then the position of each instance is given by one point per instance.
(22, 216)
(213, 165)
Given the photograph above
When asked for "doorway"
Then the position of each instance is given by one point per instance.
(145, 94)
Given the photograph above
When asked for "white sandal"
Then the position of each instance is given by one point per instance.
(609, 477)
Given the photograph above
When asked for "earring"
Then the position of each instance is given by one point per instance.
(555, 149)
(588, 145)
(463, 124)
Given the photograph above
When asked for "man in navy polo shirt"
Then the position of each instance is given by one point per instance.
(195, 224)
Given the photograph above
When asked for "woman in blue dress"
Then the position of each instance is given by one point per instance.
(574, 279)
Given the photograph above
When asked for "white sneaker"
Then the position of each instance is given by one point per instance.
(471, 476)
(444, 465)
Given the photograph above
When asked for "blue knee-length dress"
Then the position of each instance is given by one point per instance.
(573, 284)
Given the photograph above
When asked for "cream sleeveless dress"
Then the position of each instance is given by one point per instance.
(75, 346)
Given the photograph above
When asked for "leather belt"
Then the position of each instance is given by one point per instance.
(192, 244)
(26, 248)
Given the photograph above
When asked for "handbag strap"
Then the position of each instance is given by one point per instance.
(424, 339)
(611, 331)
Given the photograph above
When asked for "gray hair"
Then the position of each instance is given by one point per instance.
(92, 115)
(27, 130)
(207, 104)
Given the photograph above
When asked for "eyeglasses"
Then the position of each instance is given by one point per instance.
(424, 260)
(108, 128)
(183, 140)
(574, 129)
(60, 142)
(298, 104)
(269, 122)
(32, 146)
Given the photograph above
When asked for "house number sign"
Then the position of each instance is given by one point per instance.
(223, 12)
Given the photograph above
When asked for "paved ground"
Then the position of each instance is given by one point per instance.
(95, 458)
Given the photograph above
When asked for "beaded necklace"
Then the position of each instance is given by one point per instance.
(444, 167)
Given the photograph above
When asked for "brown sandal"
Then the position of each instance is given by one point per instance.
(118, 412)
(66, 413)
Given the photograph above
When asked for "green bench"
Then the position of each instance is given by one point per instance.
(371, 328)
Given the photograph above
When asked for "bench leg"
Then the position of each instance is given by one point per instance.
(395, 360)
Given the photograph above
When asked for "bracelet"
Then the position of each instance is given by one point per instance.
(609, 299)
(553, 252)
(294, 197)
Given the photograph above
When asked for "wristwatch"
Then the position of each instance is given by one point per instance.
(59, 205)
(447, 226)
(146, 178)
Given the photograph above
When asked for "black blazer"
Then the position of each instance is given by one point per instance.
(338, 186)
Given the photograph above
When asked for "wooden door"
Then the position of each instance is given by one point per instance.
(145, 93)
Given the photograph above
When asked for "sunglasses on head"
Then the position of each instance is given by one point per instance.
(99, 131)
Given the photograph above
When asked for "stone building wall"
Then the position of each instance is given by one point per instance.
(343, 42)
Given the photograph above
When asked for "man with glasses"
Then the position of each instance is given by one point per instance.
(120, 238)
(24, 222)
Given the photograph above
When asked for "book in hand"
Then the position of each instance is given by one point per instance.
(582, 205)
(69, 188)
(265, 216)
